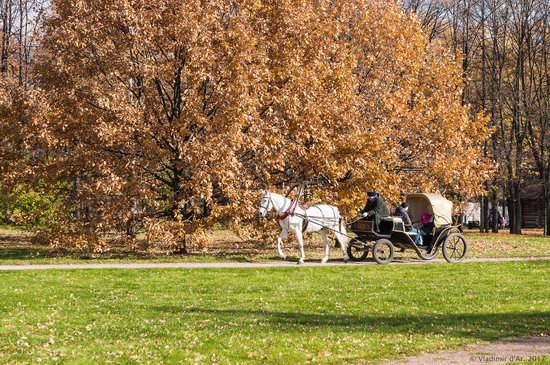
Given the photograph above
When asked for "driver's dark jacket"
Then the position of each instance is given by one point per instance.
(378, 209)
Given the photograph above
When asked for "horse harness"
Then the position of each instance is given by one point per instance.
(306, 219)
(291, 211)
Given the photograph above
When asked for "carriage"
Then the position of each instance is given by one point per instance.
(440, 233)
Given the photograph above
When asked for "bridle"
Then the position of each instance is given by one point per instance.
(269, 203)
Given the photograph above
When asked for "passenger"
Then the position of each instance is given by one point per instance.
(403, 212)
(427, 221)
(376, 209)
(426, 229)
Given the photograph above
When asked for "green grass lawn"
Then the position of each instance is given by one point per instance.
(345, 314)
(16, 248)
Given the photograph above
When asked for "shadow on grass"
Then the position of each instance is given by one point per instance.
(45, 252)
(14, 246)
(29, 252)
(21, 248)
(18, 245)
(479, 326)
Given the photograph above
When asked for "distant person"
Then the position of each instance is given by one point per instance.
(502, 222)
(375, 209)
(402, 211)
(500, 219)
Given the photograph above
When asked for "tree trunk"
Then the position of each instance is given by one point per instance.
(511, 213)
(504, 213)
(182, 248)
(518, 214)
(131, 223)
(482, 214)
(494, 209)
(486, 214)
(514, 209)
(547, 205)
(5, 13)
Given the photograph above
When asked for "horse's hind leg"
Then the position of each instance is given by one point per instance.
(300, 240)
(280, 239)
(323, 233)
(341, 237)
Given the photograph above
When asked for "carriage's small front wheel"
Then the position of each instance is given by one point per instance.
(455, 247)
(383, 251)
(357, 251)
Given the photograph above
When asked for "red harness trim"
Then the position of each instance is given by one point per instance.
(281, 216)
(290, 210)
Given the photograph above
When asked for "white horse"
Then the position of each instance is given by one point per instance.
(320, 218)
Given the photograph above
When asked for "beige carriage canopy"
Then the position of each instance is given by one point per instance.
(431, 203)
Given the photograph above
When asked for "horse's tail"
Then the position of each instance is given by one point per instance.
(343, 234)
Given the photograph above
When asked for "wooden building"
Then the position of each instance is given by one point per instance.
(532, 206)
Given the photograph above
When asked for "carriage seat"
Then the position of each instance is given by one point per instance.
(392, 219)
(389, 224)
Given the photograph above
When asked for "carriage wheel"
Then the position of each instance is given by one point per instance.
(455, 247)
(357, 251)
(383, 251)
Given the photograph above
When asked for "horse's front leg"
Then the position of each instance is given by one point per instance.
(280, 239)
(298, 233)
(327, 248)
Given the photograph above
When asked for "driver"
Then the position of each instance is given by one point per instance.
(375, 209)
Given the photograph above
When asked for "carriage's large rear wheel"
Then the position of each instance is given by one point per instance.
(455, 247)
(383, 251)
(357, 251)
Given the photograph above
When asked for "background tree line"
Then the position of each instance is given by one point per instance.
(20, 35)
(504, 46)
(170, 116)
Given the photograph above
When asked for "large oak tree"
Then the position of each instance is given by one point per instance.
(171, 111)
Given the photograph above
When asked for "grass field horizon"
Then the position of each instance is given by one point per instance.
(269, 315)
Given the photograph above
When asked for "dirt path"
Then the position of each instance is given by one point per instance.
(503, 352)
(152, 265)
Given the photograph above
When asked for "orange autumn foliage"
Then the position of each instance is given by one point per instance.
(162, 110)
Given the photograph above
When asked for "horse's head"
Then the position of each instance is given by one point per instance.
(266, 204)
